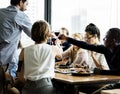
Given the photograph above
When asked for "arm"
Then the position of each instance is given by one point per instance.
(62, 62)
(81, 59)
(57, 51)
(97, 63)
(25, 24)
(64, 58)
(84, 45)
(99, 60)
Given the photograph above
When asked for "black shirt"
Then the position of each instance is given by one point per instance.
(112, 58)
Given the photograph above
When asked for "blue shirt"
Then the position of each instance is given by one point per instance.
(12, 22)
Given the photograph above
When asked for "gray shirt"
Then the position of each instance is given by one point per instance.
(12, 22)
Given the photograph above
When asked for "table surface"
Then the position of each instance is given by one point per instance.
(93, 79)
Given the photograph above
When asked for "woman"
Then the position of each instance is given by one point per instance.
(39, 60)
(110, 49)
(76, 56)
(92, 36)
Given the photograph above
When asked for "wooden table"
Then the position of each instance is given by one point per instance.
(76, 81)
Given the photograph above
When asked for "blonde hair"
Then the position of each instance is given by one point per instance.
(78, 36)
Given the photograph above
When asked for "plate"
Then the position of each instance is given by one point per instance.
(63, 66)
(81, 74)
(64, 71)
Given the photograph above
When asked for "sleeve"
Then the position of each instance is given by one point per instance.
(65, 54)
(103, 62)
(57, 50)
(81, 59)
(84, 45)
(25, 24)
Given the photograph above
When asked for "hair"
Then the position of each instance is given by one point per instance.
(114, 33)
(16, 2)
(65, 29)
(40, 31)
(77, 35)
(93, 30)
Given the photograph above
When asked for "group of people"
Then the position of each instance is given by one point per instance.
(35, 64)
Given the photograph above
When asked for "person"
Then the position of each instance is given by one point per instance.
(65, 45)
(39, 61)
(92, 36)
(110, 49)
(76, 56)
(96, 60)
(12, 21)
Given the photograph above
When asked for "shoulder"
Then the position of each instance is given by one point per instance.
(21, 15)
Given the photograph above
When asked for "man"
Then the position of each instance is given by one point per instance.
(65, 44)
(12, 21)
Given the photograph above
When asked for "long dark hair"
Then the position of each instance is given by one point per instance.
(114, 33)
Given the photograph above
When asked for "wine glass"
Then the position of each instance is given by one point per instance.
(57, 33)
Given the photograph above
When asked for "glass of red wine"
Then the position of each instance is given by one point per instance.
(57, 33)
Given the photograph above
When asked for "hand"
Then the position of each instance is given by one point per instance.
(52, 35)
(79, 70)
(58, 42)
(62, 37)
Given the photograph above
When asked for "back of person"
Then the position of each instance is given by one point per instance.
(39, 60)
(10, 17)
(36, 57)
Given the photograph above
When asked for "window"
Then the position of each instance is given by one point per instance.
(76, 14)
(35, 11)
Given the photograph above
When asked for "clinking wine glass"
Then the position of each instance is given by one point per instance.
(57, 33)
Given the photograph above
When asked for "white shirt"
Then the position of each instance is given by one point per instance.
(100, 57)
(39, 61)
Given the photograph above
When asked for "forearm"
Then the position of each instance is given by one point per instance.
(97, 63)
(84, 45)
